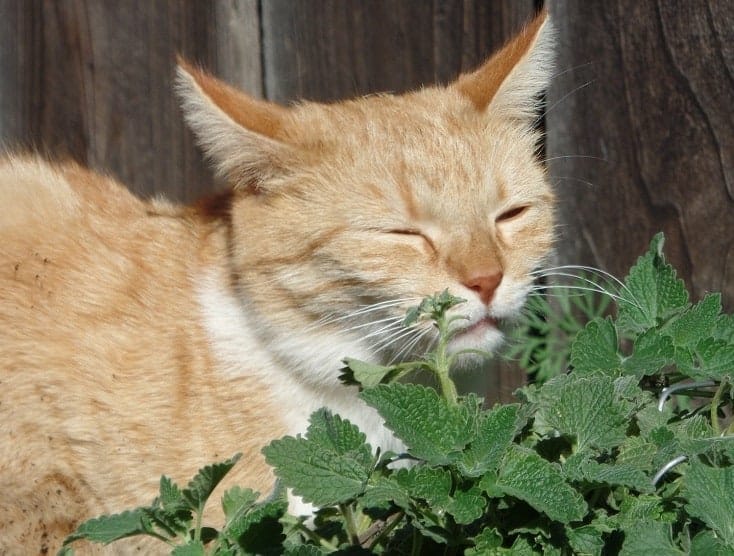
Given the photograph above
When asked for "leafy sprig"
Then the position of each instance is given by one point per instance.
(591, 461)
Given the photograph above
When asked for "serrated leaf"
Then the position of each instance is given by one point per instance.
(651, 352)
(258, 531)
(637, 452)
(368, 375)
(330, 466)
(206, 480)
(651, 537)
(485, 542)
(305, 550)
(191, 548)
(710, 499)
(527, 476)
(382, 492)
(581, 468)
(108, 528)
(586, 408)
(431, 484)
(596, 348)
(586, 539)
(237, 500)
(724, 328)
(716, 359)
(636, 509)
(171, 496)
(466, 506)
(696, 323)
(431, 427)
(339, 436)
(707, 544)
(495, 432)
(653, 291)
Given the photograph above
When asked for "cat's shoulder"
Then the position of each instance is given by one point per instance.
(33, 189)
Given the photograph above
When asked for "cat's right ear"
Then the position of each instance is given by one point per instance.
(241, 134)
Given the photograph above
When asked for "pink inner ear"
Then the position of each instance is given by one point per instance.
(481, 85)
(261, 116)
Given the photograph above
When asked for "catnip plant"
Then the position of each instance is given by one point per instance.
(596, 457)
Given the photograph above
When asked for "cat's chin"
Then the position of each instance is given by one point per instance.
(482, 335)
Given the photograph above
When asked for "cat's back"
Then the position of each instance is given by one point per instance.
(37, 195)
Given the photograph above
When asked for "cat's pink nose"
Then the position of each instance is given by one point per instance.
(485, 285)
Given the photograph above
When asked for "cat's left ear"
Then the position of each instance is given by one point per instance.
(243, 135)
(510, 82)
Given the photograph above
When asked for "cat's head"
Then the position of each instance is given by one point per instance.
(346, 214)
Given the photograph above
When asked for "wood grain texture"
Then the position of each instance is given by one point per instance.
(340, 48)
(94, 81)
(648, 144)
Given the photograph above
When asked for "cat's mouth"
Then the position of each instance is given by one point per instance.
(479, 327)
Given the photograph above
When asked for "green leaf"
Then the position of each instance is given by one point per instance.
(171, 497)
(724, 328)
(467, 506)
(108, 528)
(485, 542)
(581, 468)
(258, 531)
(192, 548)
(495, 432)
(586, 539)
(707, 544)
(587, 408)
(382, 492)
(639, 509)
(596, 348)
(431, 427)
(637, 452)
(330, 466)
(431, 484)
(527, 476)
(368, 375)
(716, 359)
(206, 480)
(238, 500)
(651, 352)
(653, 292)
(710, 497)
(651, 537)
(696, 323)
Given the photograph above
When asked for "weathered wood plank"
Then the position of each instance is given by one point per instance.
(340, 48)
(657, 124)
(93, 81)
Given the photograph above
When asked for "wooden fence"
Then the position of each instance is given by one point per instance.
(640, 129)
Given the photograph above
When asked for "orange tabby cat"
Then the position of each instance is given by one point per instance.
(139, 338)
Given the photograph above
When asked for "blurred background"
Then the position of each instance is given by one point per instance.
(639, 120)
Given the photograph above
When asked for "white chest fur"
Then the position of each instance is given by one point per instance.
(304, 382)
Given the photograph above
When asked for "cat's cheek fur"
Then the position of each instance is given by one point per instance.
(240, 345)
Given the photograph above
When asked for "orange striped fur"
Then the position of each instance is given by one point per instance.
(139, 337)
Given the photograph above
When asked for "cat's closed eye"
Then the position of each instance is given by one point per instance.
(414, 232)
(511, 214)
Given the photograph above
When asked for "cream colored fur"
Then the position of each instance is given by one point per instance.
(140, 338)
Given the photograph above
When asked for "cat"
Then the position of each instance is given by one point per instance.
(139, 338)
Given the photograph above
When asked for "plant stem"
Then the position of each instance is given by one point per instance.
(417, 543)
(316, 538)
(715, 401)
(443, 362)
(389, 525)
(346, 511)
(197, 527)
